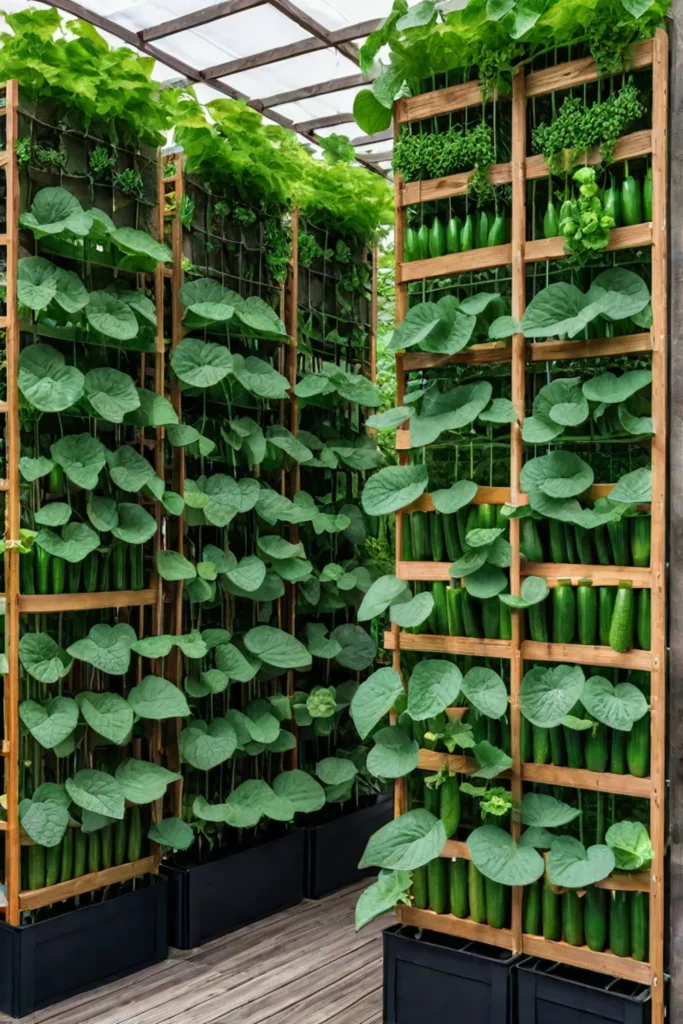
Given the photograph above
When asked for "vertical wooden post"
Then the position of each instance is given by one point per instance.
(373, 314)
(660, 83)
(13, 515)
(294, 482)
(518, 372)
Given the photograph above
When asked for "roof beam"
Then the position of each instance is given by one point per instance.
(309, 24)
(329, 121)
(197, 19)
(257, 60)
(370, 140)
(306, 91)
(378, 158)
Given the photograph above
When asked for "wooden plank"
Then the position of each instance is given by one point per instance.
(586, 654)
(489, 352)
(434, 760)
(32, 899)
(423, 571)
(34, 604)
(581, 778)
(628, 344)
(462, 927)
(441, 101)
(484, 496)
(197, 19)
(633, 237)
(447, 645)
(627, 148)
(601, 575)
(579, 72)
(583, 957)
(459, 263)
(306, 91)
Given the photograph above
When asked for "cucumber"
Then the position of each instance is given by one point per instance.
(617, 758)
(532, 908)
(490, 617)
(602, 546)
(467, 234)
(422, 247)
(432, 800)
(106, 846)
(74, 577)
(439, 617)
(461, 517)
(137, 573)
(436, 537)
(482, 230)
(90, 567)
(487, 516)
(420, 897)
(584, 546)
(470, 616)
(453, 230)
(541, 745)
(437, 239)
(596, 748)
(611, 202)
(564, 612)
(27, 571)
(458, 888)
(551, 225)
(449, 804)
(57, 574)
(410, 245)
(55, 480)
(595, 918)
(530, 540)
(631, 201)
(570, 541)
(572, 918)
(558, 752)
(120, 841)
(640, 540)
(619, 924)
(574, 740)
(419, 531)
(454, 610)
(134, 834)
(552, 915)
(450, 535)
(504, 621)
(67, 864)
(497, 231)
(638, 748)
(80, 853)
(496, 911)
(43, 560)
(36, 867)
(538, 623)
(476, 892)
(606, 596)
(643, 618)
(587, 612)
(640, 926)
(407, 547)
(119, 559)
(437, 885)
(53, 863)
(619, 539)
(557, 541)
(622, 626)
(93, 852)
(525, 740)
(105, 571)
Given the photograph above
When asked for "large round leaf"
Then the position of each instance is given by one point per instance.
(633, 488)
(129, 469)
(76, 542)
(106, 647)
(394, 754)
(108, 714)
(534, 589)
(207, 299)
(485, 582)
(81, 456)
(383, 592)
(205, 748)
(485, 689)
(455, 497)
(36, 282)
(45, 821)
(45, 381)
(135, 524)
(54, 211)
(498, 857)
(42, 658)
(392, 488)
(277, 648)
(303, 791)
(434, 686)
(408, 614)
(141, 244)
(142, 781)
(617, 707)
(370, 115)
(630, 843)
(172, 833)
(97, 791)
(620, 292)
(406, 843)
(111, 317)
(201, 364)
(51, 723)
(609, 388)
(374, 698)
(334, 771)
(358, 649)
(543, 811)
(157, 698)
(558, 475)
(111, 393)
(548, 694)
(572, 866)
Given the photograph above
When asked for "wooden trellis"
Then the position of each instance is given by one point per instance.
(519, 252)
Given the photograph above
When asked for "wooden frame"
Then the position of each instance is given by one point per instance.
(516, 254)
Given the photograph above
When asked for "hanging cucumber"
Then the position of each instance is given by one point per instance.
(461, 518)
(80, 853)
(532, 908)
(572, 918)
(497, 231)
(90, 567)
(574, 740)
(611, 202)
(596, 748)
(53, 863)
(449, 804)
(119, 575)
(490, 617)
(454, 598)
(120, 841)
(67, 863)
(619, 924)
(618, 535)
(422, 248)
(541, 745)
(453, 231)
(638, 748)
(640, 540)
(137, 575)
(43, 560)
(504, 621)
(135, 834)
(602, 546)
(74, 576)
(647, 195)
(587, 612)
(437, 239)
(105, 571)
(631, 201)
(436, 539)
(551, 224)
(451, 537)
(584, 547)
(107, 846)
(476, 890)
(595, 918)
(551, 913)
(481, 233)
(93, 852)
(458, 888)
(570, 542)
(525, 740)
(496, 901)
(55, 480)
(564, 612)
(530, 540)
(640, 926)
(57, 574)
(419, 530)
(617, 757)
(36, 867)
(558, 544)
(487, 516)
(407, 546)
(606, 597)
(470, 617)
(558, 751)
(643, 618)
(622, 626)
(420, 896)
(432, 800)
(538, 622)
(410, 245)
(27, 570)
(440, 613)
(467, 234)
(437, 885)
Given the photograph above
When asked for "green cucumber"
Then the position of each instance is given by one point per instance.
(611, 202)
(584, 547)
(574, 740)
(439, 617)
(476, 892)
(80, 853)
(595, 918)
(564, 612)
(454, 597)
(93, 852)
(410, 245)
(505, 621)
(631, 201)
(107, 846)
(453, 230)
(496, 903)
(422, 247)
(482, 230)
(541, 745)
(436, 540)
(55, 480)
(558, 544)
(606, 597)
(137, 575)
(36, 867)
(432, 800)
(90, 567)
(617, 757)
(420, 896)
(120, 841)
(451, 537)
(587, 612)
(525, 740)
(119, 560)
(558, 752)
(57, 574)
(572, 918)
(458, 888)
(53, 863)
(551, 913)
(470, 616)
(134, 833)
(437, 239)
(532, 909)
(619, 924)
(490, 618)
(437, 885)
(487, 516)
(643, 618)
(538, 623)
(551, 225)
(640, 926)
(596, 748)
(497, 231)
(570, 541)
(105, 572)
(622, 626)
(638, 748)
(43, 560)
(74, 577)
(67, 863)
(619, 539)
(461, 519)
(602, 546)
(467, 234)
(640, 540)
(419, 532)
(530, 540)
(449, 804)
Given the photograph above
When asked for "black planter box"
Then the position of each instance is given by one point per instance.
(53, 959)
(440, 977)
(208, 900)
(550, 993)
(334, 848)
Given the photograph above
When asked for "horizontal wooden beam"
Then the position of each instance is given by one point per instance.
(587, 959)
(487, 352)
(307, 91)
(493, 352)
(433, 644)
(328, 121)
(197, 19)
(441, 101)
(484, 496)
(461, 927)
(32, 899)
(633, 237)
(581, 778)
(41, 603)
(371, 140)
(586, 654)
(600, 575)
(581, 72)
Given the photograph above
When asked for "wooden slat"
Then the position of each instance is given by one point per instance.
(600, 575)
(489, 352)
(441, 101)
(434, 761)
(627, 148)
(460, 263)
(3, 407)
(628, 344)
(39, 603)
(423, 571)
(32, 899)
(583, 957)
(581, 778)
(484, 496)
(455, 849)
(553, 248)
(462, 927)
(448, 645)
(580, 72)
(586, 654)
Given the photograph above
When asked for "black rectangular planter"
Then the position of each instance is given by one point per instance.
(439, 977)
(53, 959)
(212, 899)
(550, 993)
(334, 848)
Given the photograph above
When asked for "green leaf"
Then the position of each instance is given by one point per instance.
(201, 364)
(36, 282)
(334, 771)
(154, 411)
(111, 317)
(106, 647)
(408, 614)
(455, 497)
(81, 457)
(374, 698)
(277, 648)
(485, 689)
(173, 833)
(34, 469)
(358, 649)
(262, 724)
(381, 594)
(108, 714)
(609, 388)
(369, 114)
(75, 543)
(172, 566)
(619, 292)
(390, 419)
(142, 781)
(392, 488)
(208, 299)
(50, 724)
(275, 547)
(381, 896)
(54, 211)
(394, 755)
(231, 660)
(434, 686)
(97, 791)
(548, 694)
(44, 821)
(136, 525)
(617, 707)
(468, 563)
(634, 488)
(205, 749)
(555, 311)
(319, 644)
(260, 378)
(543, 811)
(157, 698)
(301, 790)
(408, 842)
(487, 581)
(45, 381)
(42, 658)
(448, 410)
(630, 843)
(111, 393)
(492, 761)
(139, 243)
(572, 866)
(128, 469)
(559, 475)
(634, 424)
(57, 513)
(498, 857)
(281, 438)
(248, 574)
(534, 589)
(420, 14)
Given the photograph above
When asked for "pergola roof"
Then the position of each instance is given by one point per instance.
(295, 62)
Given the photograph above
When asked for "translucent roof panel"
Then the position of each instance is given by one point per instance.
(338, 13)
(292, 73)
(240, 35)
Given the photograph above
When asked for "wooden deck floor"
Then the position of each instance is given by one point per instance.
(306, 965)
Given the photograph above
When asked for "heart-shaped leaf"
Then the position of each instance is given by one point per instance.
(45, 381)
(406, 843)
(572, 866)
(42, 658)
(498, 857)
(157, 698)
(111, 393)
(106, 647)
(548, 694)
(50, 724)
(485, 689)
(108, 714)
(374, 698)
(434, 686)
(142, 782)
(618, 707)
(394, 755)
(206, 748)
(97, 791)
(392, 488)
(543, 811)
